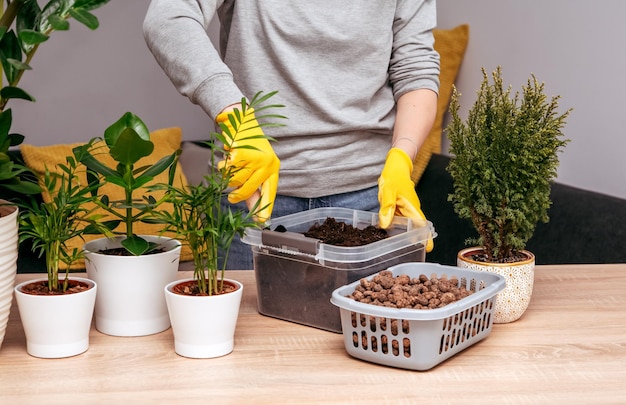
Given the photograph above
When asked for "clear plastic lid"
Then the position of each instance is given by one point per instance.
(402, 233)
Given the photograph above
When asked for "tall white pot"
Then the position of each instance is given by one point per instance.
(56, 326)
(8, 261)
(203, 326)
(130, 299)
(512, 302)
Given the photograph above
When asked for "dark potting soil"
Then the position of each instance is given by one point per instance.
(190, 287)
(121, 251)
(333, 232)
(41, 288)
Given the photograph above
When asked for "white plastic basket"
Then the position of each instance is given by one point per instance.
(419, 339)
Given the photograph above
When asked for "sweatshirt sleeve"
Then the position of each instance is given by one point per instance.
(176, 34)
(414, 63)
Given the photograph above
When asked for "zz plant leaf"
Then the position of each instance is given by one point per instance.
(126, 141)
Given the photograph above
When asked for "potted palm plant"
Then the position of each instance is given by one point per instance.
(504, 159)
(131, 270)
(208, 228)
(56, 312)
(23, 27)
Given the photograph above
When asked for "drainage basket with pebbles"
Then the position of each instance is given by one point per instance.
(455, 311)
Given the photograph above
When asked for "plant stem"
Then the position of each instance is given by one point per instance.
(9, 16)
(52, 263)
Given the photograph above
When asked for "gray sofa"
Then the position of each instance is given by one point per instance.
(584, 227)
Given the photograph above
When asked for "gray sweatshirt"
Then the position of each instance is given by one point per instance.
(339, 67)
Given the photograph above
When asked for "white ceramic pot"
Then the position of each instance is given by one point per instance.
(203, 327)
(56, 325)
(512, 302)
(8, 261)
(130, 298)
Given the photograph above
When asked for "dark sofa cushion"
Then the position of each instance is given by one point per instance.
(584, 226)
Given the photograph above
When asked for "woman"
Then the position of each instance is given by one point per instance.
(359, 82)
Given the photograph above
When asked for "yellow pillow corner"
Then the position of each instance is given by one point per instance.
(166, 141)
(451, 45)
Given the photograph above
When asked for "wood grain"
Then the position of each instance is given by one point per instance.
(569, 347)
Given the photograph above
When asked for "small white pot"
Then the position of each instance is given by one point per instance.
(56, 326)
(203, 327)
(512, 302)
(130, 299)
(8, 262)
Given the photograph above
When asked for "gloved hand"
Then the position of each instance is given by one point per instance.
(396, 191)
(254, 162)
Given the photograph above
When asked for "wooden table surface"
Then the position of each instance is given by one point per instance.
(568, 348)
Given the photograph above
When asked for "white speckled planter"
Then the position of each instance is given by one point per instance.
(511, 303)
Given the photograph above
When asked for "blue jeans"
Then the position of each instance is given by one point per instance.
(240, 255)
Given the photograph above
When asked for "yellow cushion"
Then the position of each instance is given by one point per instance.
(451, 45)
(166, 141)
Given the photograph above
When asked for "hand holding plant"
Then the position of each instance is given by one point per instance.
(199, 218)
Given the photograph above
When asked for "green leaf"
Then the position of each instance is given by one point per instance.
(16, 139)
(6, 117)
(92, 229)
(32, 37)
(15, 92)
(89, 4)
(85, 17)
(129, 147)
(160, 166)
(10, 49)
(22, 187)
(94, 164)
(53, 7)
(58, 23)
(136, 245)
(27, 17)
(126, 121)
(18, 64)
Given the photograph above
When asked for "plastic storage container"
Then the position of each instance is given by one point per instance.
(426, 336)
(296, 275)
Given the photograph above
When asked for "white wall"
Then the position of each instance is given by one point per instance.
(577, 49)
(85, 80)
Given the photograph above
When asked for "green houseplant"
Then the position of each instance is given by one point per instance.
(127, 141)
(208, 227)
(51, 224)
(70, 301)
(504, 159)
(24, 25)
(130, 270)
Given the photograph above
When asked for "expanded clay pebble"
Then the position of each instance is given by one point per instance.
(402, 291)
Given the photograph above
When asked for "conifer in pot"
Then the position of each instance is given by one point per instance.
(504, 159)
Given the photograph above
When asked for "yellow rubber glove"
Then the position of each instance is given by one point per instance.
(396, 191)
(254, 164)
